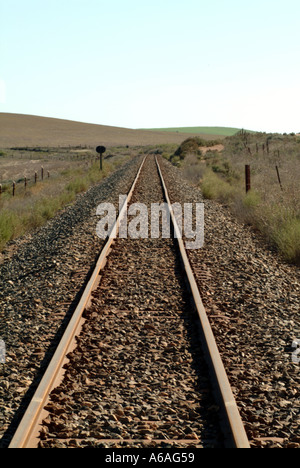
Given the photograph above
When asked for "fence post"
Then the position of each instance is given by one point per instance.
(248, 178)
(14, 188)
(35, 177)
(42, 173)
(279, 179)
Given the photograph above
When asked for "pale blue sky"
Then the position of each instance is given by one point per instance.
(155, 63)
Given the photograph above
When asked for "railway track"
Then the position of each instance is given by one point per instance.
(138, 365)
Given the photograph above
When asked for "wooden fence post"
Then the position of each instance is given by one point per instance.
(248, 178)
(279, 179)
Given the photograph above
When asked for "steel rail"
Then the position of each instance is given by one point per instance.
(235, 425)
(28, 425)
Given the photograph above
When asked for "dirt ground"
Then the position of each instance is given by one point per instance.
(205, 149)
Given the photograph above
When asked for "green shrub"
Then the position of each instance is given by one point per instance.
(9, 222)
(252, 199)
(191, 145)
(286, 237)
(78, 185)
(216, 188)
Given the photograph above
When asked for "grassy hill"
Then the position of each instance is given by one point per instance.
(18, 130)
(211, 131)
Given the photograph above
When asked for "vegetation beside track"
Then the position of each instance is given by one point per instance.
(71, 172)
(271, 207)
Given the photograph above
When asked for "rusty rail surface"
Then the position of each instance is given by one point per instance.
(26, 435)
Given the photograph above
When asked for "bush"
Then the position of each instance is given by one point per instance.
(216, 188)
(78, 185)
(8, 224)
(282, 226)
(287, 239)
(252, 199)
(191, 145)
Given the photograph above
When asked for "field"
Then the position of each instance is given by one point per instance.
(270, 207)
(18, 130)
(204, 132)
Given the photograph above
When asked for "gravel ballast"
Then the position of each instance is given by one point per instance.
(253, 301)
(252, 298)
(138, 372)
(39, 289)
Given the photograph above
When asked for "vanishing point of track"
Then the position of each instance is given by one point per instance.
(138, 364)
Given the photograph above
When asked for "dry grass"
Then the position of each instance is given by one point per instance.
(193, 169)
(34, 206)
(72, 171)
(14, 168)
(273, 211)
